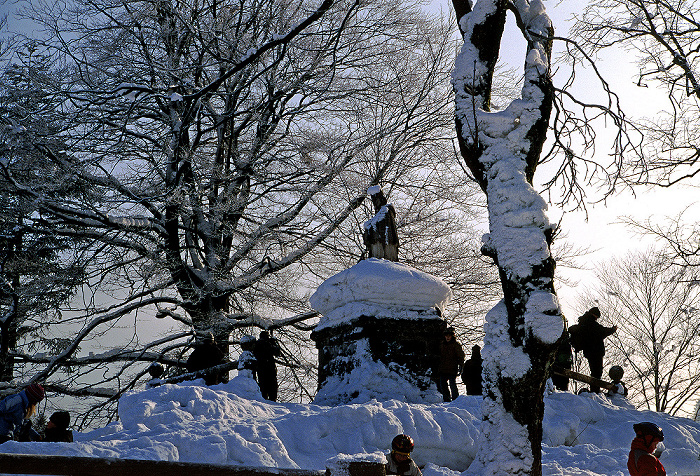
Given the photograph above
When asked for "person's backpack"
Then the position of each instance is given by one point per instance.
(577, 338)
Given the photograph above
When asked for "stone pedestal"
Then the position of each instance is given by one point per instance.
(408, 346)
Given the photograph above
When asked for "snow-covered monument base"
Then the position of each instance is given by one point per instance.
(379, 333)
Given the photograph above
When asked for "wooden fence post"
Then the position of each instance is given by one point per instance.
(366, 468)
(356, 468)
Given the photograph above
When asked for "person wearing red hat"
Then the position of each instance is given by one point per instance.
(15, 408)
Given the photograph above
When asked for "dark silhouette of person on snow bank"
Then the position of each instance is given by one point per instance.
(471, 373)
(207, 354)
(266, 349)
(450, 365)
(587, 336)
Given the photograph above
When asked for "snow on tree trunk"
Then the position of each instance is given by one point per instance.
(502, 149)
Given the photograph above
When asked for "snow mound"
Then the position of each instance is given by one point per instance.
(379, 286)
(372, 380)
(584, 435)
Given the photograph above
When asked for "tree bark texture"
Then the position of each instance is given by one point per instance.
(501, 149)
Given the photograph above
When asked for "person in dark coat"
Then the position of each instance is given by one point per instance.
(589, 335)
(564, 358)
(266, 349)
(57, 428)
(207, 354)
(471, 374)
(450, 365)
(14, 409)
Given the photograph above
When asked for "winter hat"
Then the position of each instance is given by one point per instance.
(616, 372)
(449, 331)
(35, 393)
(595, 311)
(61, 419)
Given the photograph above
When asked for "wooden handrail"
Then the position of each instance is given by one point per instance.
(582, 377)
(88, 466)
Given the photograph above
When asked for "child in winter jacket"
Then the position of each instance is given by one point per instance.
(642, 461)
(57, 428)
(399, 461)
(15, 408)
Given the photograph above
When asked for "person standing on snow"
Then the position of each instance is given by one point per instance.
(616, 373)
(450, 365)
(399, 460)
(266, 349)
(642, 460)
(14, 409)
(207, 354)
(588, 336)
(471, 374)
(564, 359)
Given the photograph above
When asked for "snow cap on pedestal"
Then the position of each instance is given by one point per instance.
(381, 288)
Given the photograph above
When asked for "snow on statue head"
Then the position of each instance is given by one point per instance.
(378, 313)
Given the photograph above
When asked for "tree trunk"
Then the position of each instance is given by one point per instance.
(502, 150)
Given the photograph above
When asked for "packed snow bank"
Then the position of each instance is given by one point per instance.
(584, 435)
(380, 288)
(372, 380)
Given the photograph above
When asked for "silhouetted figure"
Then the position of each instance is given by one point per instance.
(14, 409)
(564, 359)
(471, 374)
(207, 354)
(266, 349)
(616, 373)
(450, 365)
(57, 428)
(588, 336)
(156, 371)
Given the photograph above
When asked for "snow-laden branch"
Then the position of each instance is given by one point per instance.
(248, 320)
(56, 362)
(254, 54)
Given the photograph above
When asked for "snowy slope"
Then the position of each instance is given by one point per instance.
(230, 423)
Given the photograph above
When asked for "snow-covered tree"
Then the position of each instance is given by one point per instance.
(502, 150)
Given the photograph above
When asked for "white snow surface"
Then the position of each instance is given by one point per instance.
(381, 288)
(587, 435)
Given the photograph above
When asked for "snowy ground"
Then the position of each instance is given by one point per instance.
(232, 424)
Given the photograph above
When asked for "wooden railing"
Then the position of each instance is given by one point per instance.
(87, 466)
(582, 378)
